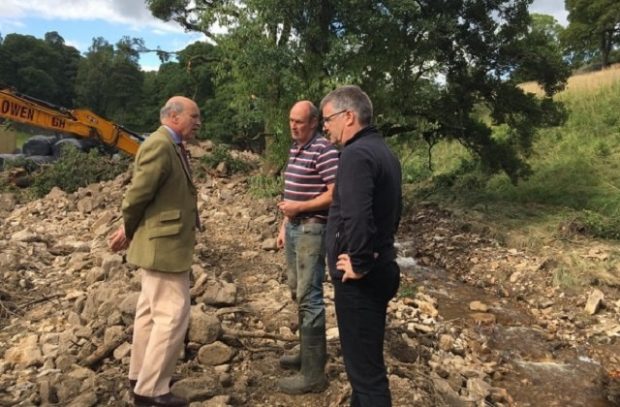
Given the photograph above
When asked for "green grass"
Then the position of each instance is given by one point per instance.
(576, 172)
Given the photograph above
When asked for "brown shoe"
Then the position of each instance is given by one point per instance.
(165, 400)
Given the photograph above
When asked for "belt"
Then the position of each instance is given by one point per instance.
(303, 221)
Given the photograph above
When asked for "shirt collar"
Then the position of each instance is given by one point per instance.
(307, 143)
(175, 137)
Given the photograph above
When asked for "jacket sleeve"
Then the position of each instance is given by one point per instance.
(151, 167)
(357, 185)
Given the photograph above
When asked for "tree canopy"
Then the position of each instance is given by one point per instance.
(428, 65)
(593, 30)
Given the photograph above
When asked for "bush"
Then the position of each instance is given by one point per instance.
(222, 154)
(75, 169)
(262, 186)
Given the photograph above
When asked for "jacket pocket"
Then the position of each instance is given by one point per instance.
(173, 214)
(162, 231)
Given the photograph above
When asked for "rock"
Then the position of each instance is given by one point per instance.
(122, 351)
(217, 401)
(112, 333)
(478, 389)
(194, 389)
(25, 353)
(478, 306)
(446, 342)
(482, 318)
(110, 263)
(95, 274)
(25, 235)
(215, 353)
(203, 328)
(269, 244)
(220, 293)
(595, 300)
(128, 304)
(85, 205)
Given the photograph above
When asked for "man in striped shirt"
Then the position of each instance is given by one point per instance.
(308, 185)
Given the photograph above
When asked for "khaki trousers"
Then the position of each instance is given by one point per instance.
(162, 317)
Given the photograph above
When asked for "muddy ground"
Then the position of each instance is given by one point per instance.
(476, 322)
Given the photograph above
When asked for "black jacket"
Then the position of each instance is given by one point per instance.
(366, 206)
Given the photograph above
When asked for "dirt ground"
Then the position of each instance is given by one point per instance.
(475, 322)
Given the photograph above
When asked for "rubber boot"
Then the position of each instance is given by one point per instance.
(293, 361)
(311, 377)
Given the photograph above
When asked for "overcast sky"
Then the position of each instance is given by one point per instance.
(79, 21)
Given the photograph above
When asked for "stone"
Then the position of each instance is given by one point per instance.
(193, 389)
(478, 306)
(269, 244)
(595, 299)
(112, 333)
(215, 353)
(203, 328)
(122, 351)
(25, 353)
(483, 318)
(220, 293)
(110, 263)
(478, 389)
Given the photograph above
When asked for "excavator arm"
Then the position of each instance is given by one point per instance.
(80, 122)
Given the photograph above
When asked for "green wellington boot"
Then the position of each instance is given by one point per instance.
(311, 377)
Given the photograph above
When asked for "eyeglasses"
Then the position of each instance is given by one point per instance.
(331, 116)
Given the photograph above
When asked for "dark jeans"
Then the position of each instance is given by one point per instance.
(361, 310)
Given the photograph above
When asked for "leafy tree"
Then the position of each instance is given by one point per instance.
(428, 65)
(40, 68)
(593, 30)
(110, 81)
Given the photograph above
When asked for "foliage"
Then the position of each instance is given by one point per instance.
(75, 169)
(220, 154)
(593, 30)
(109, 81)
(264, 186)
(451, 58)
(42, 68)
(576, 168)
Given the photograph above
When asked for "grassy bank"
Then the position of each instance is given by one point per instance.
(575, 184)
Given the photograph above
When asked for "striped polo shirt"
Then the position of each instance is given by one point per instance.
(309, 170)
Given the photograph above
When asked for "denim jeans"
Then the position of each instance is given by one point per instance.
(305, 258)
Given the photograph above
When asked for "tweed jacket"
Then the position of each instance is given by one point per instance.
(159, 208)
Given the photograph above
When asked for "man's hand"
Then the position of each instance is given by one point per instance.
(117, 240)
(281, 239)
(344, 265)
(290, 209)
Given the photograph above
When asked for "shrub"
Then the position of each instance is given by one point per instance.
(222, 154)
(75, 169)
(263, 186)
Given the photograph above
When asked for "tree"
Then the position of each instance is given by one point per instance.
(428, 65)
(41, 68)
(593, 30)
(110, 81)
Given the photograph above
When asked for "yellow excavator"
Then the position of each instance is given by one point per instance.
(80, 122)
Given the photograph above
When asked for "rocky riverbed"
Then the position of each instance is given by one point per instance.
(476, 322)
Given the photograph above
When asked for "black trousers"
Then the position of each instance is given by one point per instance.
(361, 310)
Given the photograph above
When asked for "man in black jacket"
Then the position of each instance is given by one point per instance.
(363, 219)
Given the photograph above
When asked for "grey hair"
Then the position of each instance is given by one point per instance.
(350, 97)
(170, 108)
